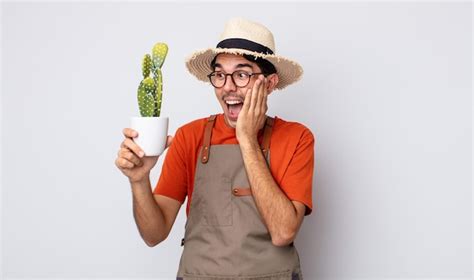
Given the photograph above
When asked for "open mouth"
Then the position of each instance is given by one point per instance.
(233, 107)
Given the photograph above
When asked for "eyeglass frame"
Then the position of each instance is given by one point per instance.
(232, 77)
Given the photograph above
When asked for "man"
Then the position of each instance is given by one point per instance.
(248, 177)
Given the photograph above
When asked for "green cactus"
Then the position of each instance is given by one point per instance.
(150, 88)
(146, 66)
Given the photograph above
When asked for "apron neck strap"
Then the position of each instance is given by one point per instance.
(265, 145)
(207, 138)
(267, 133)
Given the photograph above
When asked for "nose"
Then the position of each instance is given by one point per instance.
(229, 84)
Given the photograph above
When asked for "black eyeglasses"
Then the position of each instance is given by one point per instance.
(240, 78)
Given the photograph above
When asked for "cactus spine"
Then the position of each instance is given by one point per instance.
(150, 89)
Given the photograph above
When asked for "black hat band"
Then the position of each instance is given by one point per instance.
(239, 43)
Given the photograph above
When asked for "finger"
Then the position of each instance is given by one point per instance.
(255, 89)
(133, 147)
(122, 145)
(246, 106)
(131, 157)
(261, 95)
(130, 133)
(265, 100)
(169, 140)
(124, 163)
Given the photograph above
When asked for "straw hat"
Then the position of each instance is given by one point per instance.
(242, 36)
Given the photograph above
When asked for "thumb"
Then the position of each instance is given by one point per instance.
(169, 140)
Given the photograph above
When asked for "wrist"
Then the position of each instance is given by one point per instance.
(145, 181)
(248, 143)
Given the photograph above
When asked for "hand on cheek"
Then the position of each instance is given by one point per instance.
(252, 116)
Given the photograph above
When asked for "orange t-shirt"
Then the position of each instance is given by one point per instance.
(291, 159)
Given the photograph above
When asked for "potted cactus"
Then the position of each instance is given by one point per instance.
(151, 127)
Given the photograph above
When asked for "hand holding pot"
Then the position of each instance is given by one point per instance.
(131, 160)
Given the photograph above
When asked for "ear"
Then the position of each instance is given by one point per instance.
(272, 82)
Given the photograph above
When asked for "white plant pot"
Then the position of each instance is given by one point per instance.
(152, 134)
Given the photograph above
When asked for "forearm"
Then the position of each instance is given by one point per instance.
(148, 215)
(278, 212)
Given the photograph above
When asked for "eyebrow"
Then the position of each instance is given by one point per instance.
(240, 65)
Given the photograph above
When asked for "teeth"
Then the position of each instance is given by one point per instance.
(232, 102)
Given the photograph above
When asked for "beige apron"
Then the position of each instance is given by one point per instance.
(225, 237)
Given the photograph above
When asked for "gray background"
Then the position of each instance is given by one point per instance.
(386, 92)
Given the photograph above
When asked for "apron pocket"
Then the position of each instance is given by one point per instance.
(217, 202)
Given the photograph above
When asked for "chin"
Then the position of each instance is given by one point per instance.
(230, 122)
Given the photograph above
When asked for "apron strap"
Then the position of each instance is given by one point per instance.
(207, 138)
(267, 133)
(265, 145)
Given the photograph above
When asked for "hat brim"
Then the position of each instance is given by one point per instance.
(199, 64)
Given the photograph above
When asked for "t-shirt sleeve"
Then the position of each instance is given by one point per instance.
(172, 181)
(297, 181)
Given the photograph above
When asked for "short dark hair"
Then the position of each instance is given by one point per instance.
(265, 66)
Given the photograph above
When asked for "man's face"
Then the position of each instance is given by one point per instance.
(231, 97)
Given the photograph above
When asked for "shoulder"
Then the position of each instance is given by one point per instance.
(194, 125)
(191, 133)
(291, 130)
